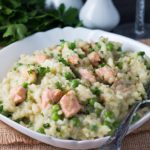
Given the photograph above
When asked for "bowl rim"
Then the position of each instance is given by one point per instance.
(136, 125)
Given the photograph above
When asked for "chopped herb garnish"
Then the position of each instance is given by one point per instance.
(92, 101)
(119, 49)
(98, 111)
(91, 49)
(62, 40)
(94, 127)
(42, 71)
(102, 64)
(120, 65)
(68, 75)
(17, 65)
(81, 55)
(31, 71)
(59, 85)
(98, 45)
(46, 125)
(1, 108)
(62, 43)
(41, 130)
(62, 60)
(75, 121)
(141, 53)
(108, 115)
(109, 46)
(96, 91)
(6, 113)
(72, 45)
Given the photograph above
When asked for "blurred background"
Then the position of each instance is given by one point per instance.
(126, 9)
(21, 18)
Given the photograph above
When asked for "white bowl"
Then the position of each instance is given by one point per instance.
(11, 53)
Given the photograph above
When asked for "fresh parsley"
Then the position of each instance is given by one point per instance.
(19, 19)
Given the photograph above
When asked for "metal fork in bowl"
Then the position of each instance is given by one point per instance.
(114, 143)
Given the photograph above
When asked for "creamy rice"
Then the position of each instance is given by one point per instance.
(75, 90)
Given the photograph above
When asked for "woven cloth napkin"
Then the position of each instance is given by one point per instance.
(10, 139)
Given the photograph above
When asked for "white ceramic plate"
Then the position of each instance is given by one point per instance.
(11, 53)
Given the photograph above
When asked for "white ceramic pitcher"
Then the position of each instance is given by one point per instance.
(100, 14)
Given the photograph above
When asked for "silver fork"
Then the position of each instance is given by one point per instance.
(114, 143)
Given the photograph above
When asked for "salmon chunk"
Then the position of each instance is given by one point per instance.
(51, 96)
(69, 104)
(94, 58)
(74, 60)
(18, 94)
(87, 75)
(106, 73)
(40, 58)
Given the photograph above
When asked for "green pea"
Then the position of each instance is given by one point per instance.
(94, 127)
(96, 91)
(75, 121)
(74, 83)
(55, 108)
(68, 75)
(41, 130)
(109, 46)
(92, 101)
(72, 45)
(25, 85)
(46, 125)
(55, 116)
(141, 53)
(59, 86)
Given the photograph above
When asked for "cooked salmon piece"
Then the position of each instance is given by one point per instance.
(94, 58)
(18, 94)
(87, 75)
(40, 58)
(74, 59)
(51, 96)
(70, 104)
(106, 73)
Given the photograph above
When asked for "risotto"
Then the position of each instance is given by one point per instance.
(75, 90)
